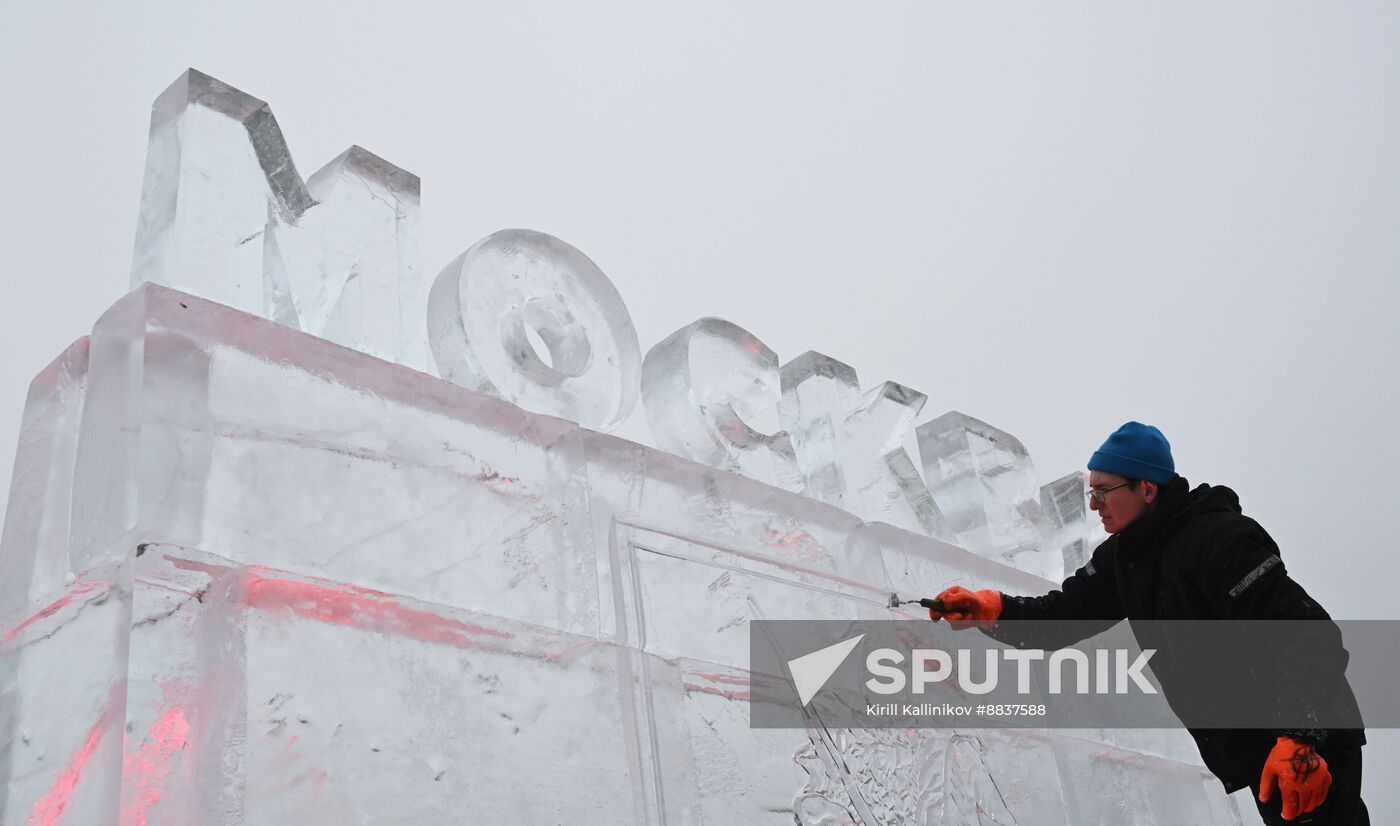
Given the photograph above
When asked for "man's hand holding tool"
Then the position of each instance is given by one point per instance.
(964, 609)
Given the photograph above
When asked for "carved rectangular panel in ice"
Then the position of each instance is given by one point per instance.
(694, 599)
(260, 696)
(712, 768)
(688, 602)
(633, 485)
(721, 771)
(207, 427)
(917, 566)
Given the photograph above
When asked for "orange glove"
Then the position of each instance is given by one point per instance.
(964, 608)
(1300, 774)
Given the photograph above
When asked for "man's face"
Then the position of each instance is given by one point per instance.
(1122, 506)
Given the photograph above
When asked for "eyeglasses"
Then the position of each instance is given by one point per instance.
(1098, 495)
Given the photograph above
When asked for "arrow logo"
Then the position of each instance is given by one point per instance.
(811, 671)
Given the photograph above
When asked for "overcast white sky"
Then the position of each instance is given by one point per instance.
(1054, 217)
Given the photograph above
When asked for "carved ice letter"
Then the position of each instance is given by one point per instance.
(850, 446)
(698, 386)
(485, 304)
(984, 483)
(225, 215)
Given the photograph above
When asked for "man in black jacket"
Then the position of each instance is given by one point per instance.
(1181, 554)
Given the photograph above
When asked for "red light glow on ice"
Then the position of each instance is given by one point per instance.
(79, 588)
(363, 609)
(47, 809)
(571, 653)
(146, 769)
(211, 571)
(729, 694)
(731, 679)
(716, 683)
(268, 589)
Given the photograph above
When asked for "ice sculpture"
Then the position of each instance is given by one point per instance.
(225, 215)
(34, 545)
(249, 576)
(850, 446)
(700, 384)
(984, 483)
(522, 316)
(388, 599)
(926, 777)
(485, 304)
(1070, 525)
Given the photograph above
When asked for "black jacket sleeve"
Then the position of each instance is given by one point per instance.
(1243, 577)
(1085, 604)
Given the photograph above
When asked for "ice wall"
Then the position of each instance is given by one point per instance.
(250, 576)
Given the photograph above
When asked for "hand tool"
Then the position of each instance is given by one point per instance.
(935, 604)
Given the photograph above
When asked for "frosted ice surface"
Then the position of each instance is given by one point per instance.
(485, 304)
(388, 599)
(1173, 744)
(693, 598)
(336, 704)
(360, 472)
(850, 445)
(700, 384)
(927, 776)
(34, 547)
(918, 566)
(63, 669)
(225, 215)
(1106, 786)
(983, 481)
(687, 602)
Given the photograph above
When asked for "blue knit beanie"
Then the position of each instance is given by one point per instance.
(1136, 451)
